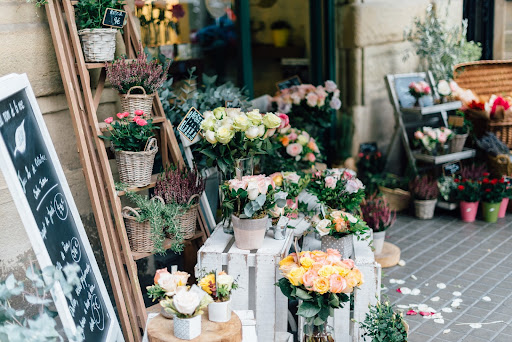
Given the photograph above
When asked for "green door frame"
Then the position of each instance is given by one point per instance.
(245, 77)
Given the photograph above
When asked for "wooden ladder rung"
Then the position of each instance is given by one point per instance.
(149, 186)
(167, 245)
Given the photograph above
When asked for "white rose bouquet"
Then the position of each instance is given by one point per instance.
(187, 303)
(338, 224)
(167, 284)
(219, 287)
(231, 134)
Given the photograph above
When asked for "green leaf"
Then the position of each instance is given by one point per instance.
(286, 287)
(303, 294)
(308, 309)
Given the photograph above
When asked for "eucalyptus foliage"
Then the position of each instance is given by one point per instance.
(383, 324)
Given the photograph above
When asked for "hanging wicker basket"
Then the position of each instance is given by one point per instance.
(187, 221)
(132, 102)
(139, 233)
(135, 168)
(98, 45)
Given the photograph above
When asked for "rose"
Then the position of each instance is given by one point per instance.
(182, 277)
(294, 149)
(313, 146)
(292, 136)
(443, 88)
(303, 140)
(233, 112)
(338, 283)
(109, 120)
(252, 132)
(208, 124)
(330, 182)
(287, 264)
(235, 184)
(210, 137)
(351, 218)
(241, 122)
(261, 130)
(330, 86)
(295, 98)
(418, 135)
(186, 302)
(120, 116)
(270, 133)
(252, 190)
(293, 177)
(270, 120)
(308, 278)
(219, 112)
(311, 157)
(321, 227)
(225, 280)
(295, 276)
(335, 103)
(141, 122)
(353, 186)
(326, 271)
(285, 120)
(224, 135)
(306, 262)
(321, 285)
(277, 177)
(354, 278)
(255, 117)
(168, 282)
(208, 114)
(333, 255)
(312, 99)
(349, 263)
(160, 272)
(442, 137)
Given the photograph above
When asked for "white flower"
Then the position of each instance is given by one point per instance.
(210, 137)
(303, 140)
(293, 177)
(233, 112)
(224, 135)
(255, 117)
(186, 302)
(225, 280)
(261, 130)
(270, 120)
(169, 283)
(252, 190)
(208, 114)
(353, 186)
(443, 88)
(335, 103)
(209, 123)
(219, 112)
(351, 218)
(321, 227)
(241, 122)
(252, 132)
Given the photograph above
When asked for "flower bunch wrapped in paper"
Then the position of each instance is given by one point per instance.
(338, 189)
(419, 89)
(167, 284)
(433, 140)
(338, 224)
(219, 286)
(230, 134)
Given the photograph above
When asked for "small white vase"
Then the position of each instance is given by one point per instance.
(219, 311)
(187, 328)
(378, 241)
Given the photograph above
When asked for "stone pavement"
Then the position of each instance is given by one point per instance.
(450, 259)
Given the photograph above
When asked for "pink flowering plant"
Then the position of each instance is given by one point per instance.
(432, 140)
(129, 134)
(419, 89)
(377, 214)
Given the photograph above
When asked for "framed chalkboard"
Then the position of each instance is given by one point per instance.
(114, 18)
(368, 147)
(451, 169)
(405, 99)
(42, 196)
(288, 83)
(190, 126)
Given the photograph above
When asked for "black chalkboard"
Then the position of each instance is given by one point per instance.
(369, 147)
(451, 169)
(49, 214)
(114, 18)
(405, 99)
(288, 83)
(189, 127)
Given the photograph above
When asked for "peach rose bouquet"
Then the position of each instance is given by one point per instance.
(339, 224)
(167, 284)
(321, 282)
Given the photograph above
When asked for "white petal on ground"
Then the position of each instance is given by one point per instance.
(475, 325)
(486, 298)
(413, 305)
(437, 315)
(405, 290)
(439, 320)
(414, 277)
(446, 310)
(441, 286)
(400, 281)
(455, 304)
(415, 292)
(423, 307)
(426, 284)
(457, 294)
(400, 306)
(401, 263)
(446, 331)
(435, 299)
(392, 281)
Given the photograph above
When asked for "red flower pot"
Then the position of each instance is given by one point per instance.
(503, 207)
(468, 211)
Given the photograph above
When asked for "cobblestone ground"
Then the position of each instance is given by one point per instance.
(447, 259)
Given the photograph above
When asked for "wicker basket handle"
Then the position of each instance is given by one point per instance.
(192, 198)
(158, 198)
(135, 87)
(502, 159)
(150, 144)
(130, 212)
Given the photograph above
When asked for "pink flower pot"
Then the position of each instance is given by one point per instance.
(293, 204)
(468, 211)
(503, 207)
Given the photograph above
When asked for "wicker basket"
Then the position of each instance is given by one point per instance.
(500, 165)
(398, 199)
(135, 168)
(187, 221)
(132, 102)
(457, 142)
(485, 78)
(139, 233)
(98, 45)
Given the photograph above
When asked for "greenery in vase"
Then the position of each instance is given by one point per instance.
(339, 224)
(383, 324)
(89, 13)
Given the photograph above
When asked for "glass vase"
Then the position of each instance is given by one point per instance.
(244, 167)
(318, 333)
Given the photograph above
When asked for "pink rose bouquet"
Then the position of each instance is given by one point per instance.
(432, 140)
(419, 89)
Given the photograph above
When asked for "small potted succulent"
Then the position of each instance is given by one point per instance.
(425, 191)
(375, 211)
(219, 286)
(493, 190)
(166, 285)
(280, 33)
(468, 193)
(383, 324)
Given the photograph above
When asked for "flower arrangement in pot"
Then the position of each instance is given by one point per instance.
(219, 286)
(425, 191)
(280, 32)
(468, 193)
(377, 214)
(418, 90)
(506, 198)
(249, 202)
(461, 129)
(166, 284)
(137, 81)
(184, 187)
(383, 324)
(98, 42)
(293, 184)
(134, 146)
(320, 281)
(432, 140)
(337, 229)
(493, 191)
(187, 306)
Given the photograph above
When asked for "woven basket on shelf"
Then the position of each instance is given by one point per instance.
(397, 199)
(457, 142)
(98, 45)
(500, 165)
(132, 102)
(187, 221)
(135, 168)
(485, 78)
(139, 233)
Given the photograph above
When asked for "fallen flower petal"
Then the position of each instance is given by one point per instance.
(400, 306)
(475, 325)
(486, 298)
(414, 277)
(446, 331)
(446, 310)
(400, 281)
(411, 313)
(457, 294)
(435, 299)
(399, 290)
(415, 292)
(425, 313)
(405, 290)
(439, 320)
(441, 286)
(401, 263)
(392, 281)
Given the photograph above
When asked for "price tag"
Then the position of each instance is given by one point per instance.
(114, 18)
(369, 147)
(451, 169)
(288, 83)
(190, 126)
(456, 121)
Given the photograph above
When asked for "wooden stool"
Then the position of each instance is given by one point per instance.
(390, 255)
(161, 329)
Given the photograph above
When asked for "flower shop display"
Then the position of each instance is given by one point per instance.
(383, 324)
(447, 188)
(338, 189)
(232, 138)
(460, 133)
(137, 81)
(166, 285)
(187, 306)
(433, 140)
(418, 90)
(425, 192)
(219, 286)
(320, 281)
(468, 193)
(377, 214)
(337, 229)
(499, 158)
(183, 187)
(493, 191)
(280, 33)
(249, 201)
(98, 42)
(135, 147)
(293, 184)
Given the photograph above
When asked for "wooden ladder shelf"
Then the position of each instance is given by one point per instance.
(94, 157)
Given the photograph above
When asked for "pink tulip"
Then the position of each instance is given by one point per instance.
(119, 116)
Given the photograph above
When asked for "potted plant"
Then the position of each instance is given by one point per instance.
(507, 195)
(395, 190)
(337, 229)
(249, 201)
(375, 211)
(447, 189)
(137, 81)
(134, 146)
(280, 33)
(460, 133)
(219, 287)
(432, 140)
(166, 285)
(383, 324)
(98, 42)
(320, 281)
(418, 90)
(468, 193)
(425, 192)
(183, 187)
(444, 90)
(187, 306)
(293, 184)
(493, 192)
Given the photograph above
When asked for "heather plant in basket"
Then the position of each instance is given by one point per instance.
(377, 214)
(473, 171)
(424, 188)
(129, 134)
(125, 74)
(179, 185)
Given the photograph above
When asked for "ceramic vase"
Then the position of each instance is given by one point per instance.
(490, 211)
(468, 211)
(187, 328)
(219, 311)
(249, 233)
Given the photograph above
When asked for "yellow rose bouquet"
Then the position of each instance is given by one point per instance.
(321, 281)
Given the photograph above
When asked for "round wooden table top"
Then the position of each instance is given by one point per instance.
(390, 255)
(161, 329)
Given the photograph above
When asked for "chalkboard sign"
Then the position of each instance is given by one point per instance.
(189, 127)
(402, 91)
(42, 196)
(288, 83)
(369, 147)
(451, 169)
(114, 18)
